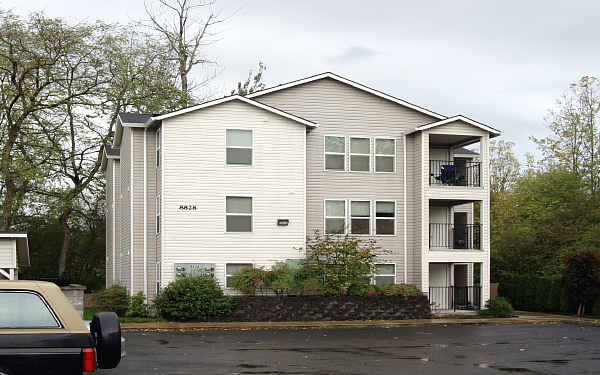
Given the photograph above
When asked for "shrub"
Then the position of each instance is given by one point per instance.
(188, 298)
(398, 290)
(138, 307)
(498, 307)
(534, 293)
(309, 287)
(340, 262)
(113, 299)
(581, 278)
(249, 280)
(281, 279)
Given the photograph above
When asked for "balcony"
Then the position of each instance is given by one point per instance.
(455, 236)
(458, 172)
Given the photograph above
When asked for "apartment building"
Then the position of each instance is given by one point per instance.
(242, 181)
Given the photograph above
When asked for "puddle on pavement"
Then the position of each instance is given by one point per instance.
(248, 365)
(505, 368)
(553, 361)
(162, 342)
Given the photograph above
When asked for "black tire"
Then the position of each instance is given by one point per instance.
(4, 371)
(106, 329)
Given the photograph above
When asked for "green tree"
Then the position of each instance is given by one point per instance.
(574, 142)
(253, 82)
(504, 166)
(340, 262)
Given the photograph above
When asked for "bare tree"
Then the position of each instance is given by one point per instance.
(187, 26)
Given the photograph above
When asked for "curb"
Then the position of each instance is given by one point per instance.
(242, 326)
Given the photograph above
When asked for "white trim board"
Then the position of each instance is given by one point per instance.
(350, 83)
(228, 99)
(457, 118)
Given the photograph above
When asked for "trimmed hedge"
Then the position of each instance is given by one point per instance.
(534, 293)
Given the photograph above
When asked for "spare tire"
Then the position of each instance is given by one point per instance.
(106, 329)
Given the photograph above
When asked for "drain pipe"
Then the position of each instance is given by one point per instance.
(404, 210)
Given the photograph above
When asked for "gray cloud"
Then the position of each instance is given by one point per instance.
(503, 63)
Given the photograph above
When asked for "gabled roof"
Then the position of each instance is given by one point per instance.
(134, 118)
(229, 99)
(465, 152)
(350, 83)
(494, 132)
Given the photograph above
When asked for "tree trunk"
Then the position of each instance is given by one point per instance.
(67, 234)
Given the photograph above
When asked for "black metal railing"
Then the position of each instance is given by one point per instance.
(454, 173)
(455, 236)
(455, 297)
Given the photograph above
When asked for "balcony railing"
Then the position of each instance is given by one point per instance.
(455, 236)
(454, 173)
(455, 297)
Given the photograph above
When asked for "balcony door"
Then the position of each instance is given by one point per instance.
(460, 235)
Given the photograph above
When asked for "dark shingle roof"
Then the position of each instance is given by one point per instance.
(464, 151)
(112, 151)
(136, 118)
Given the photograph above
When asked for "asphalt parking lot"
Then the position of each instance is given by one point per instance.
(454, 349)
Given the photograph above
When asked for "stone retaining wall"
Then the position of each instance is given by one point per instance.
(320, 308)
(74, 294)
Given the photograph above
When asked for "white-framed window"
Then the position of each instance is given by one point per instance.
(157, 277)
(335, 153)
(385, 274)
(385, 155)
(158, 143)
(239, 146)
(231, 269)
(360, 154)
(385, 218)
(238, 214)
(335, 216)
(158, 215)
(360, 217)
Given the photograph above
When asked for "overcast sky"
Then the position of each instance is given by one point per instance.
(503, 63)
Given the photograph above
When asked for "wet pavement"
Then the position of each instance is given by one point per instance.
(457, 349)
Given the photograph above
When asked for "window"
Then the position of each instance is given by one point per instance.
(157, 215)
(158, 142)
(231, 269)
(360, 217)
(360, 154)
(385, 274)
(25, 310)
(385, 218)
(239, 214)
(335, 217)
(239, 147)
(385, 155)
(335, 153)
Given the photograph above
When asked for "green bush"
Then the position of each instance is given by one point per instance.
(398, 290)
(138, 307)
(309, 287)
(281, 279)
(534, 293)
(193, 298)
(498, 307)
(113, 299)
(339, 262)
(249, 280)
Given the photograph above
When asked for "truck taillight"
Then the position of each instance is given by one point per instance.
(89, 359)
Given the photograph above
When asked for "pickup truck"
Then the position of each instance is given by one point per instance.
(41, 333)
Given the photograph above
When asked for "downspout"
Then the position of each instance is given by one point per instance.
(131, 214)
(145, 218)
(114, 222)
(404, 210)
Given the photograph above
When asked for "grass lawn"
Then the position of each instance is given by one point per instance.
(88, 314)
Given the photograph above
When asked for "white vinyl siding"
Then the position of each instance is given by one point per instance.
(335, 153)
(385, 155)
(360, 217)
(195, 173)
(360, 154)
(335, 216)
(239, 146)
(238, 214)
